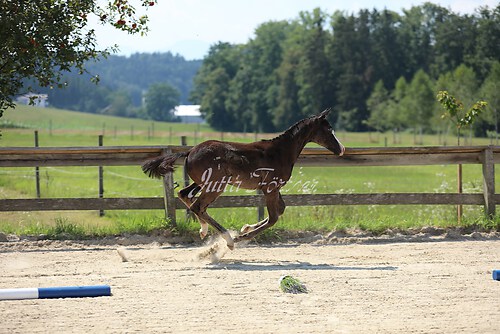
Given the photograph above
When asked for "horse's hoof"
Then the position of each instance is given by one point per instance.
(245, 229)
(203, 234)
(229, 240)
(230, 244)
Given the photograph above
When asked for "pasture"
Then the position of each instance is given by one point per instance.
(444, 286)
(76, 129)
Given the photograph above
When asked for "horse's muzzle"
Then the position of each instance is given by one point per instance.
(342, 150)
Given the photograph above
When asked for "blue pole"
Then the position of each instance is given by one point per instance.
(74, 291)
(56, 292)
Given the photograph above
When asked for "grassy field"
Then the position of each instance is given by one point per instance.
(64, 128)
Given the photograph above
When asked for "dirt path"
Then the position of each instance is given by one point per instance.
(431, 287)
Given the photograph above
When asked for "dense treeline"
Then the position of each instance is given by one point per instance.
(124, 83)
(377, 69)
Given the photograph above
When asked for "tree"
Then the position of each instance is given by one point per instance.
(127, 74)
(377, 104)
(270, 40)
(399, 110)
(421, 101)
(416, 38)
(161, 99)
(387, 54)
(454, 110)
(455, 41)
(314, 66)
(462, 81)
(288, 110)
(489, 91)
(349, 60)
(293, 68)
(252, 96)
(119, 104)
(34, 47)
(487, 42)
(212, 85)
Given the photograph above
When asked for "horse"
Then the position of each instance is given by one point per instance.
(266, 165)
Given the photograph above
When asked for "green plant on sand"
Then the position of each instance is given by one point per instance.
(291, 285)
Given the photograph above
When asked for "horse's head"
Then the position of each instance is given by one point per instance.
(323, 134)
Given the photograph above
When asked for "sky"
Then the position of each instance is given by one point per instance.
(190, 27)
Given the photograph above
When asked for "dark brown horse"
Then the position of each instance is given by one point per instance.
(266, 165)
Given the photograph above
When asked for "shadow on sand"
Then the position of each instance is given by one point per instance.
(284, 265)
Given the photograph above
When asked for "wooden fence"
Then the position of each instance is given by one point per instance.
(487, 156)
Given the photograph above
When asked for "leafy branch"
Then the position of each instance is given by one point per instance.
(36, 49)
(454, 109)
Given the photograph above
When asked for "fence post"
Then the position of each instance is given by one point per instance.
(460, 190)
(260, 208)
(186, 177)
(169, 198)
(489, 181)
(37, 170)
(101, 178)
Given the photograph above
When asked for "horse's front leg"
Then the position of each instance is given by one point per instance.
(275, 208)
(248, 228)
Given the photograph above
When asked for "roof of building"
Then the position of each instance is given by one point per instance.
(187, 110)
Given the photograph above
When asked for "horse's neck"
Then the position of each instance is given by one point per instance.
(294, 143)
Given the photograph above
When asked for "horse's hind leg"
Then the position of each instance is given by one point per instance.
(199, 207)
(187, 196)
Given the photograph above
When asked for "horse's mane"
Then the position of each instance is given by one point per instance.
(292, 130)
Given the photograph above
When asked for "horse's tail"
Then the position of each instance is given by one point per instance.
(162, 165)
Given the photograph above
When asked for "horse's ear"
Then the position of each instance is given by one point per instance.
(324, 113)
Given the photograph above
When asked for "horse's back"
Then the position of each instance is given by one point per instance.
(224, 158)
(215, 149)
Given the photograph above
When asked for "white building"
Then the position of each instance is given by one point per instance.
(39, 100)
(189, 114)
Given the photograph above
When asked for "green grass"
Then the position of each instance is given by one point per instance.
(68, 128)
(290, 284)
(57, 119)
(77, 129)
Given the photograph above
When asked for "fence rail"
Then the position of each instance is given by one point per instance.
(487, 156)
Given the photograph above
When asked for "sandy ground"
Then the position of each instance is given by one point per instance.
(405, 287)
